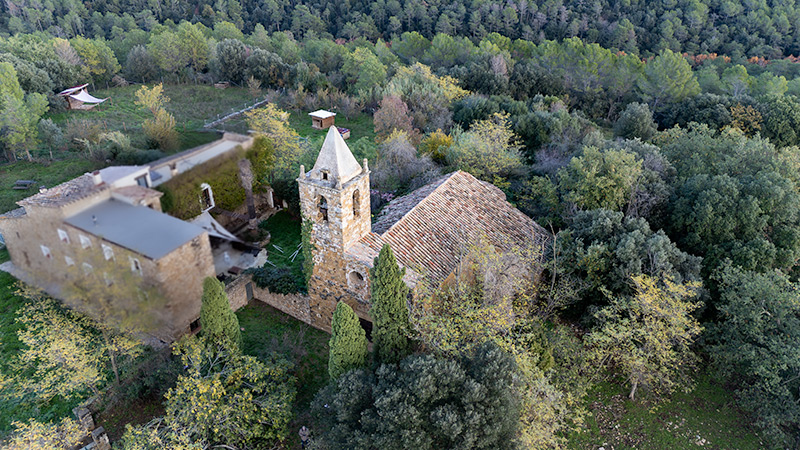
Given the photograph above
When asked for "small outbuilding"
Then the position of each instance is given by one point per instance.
(321, 119)
(79, 98)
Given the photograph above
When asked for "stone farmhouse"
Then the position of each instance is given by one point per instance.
(427, 229)
(109, 224)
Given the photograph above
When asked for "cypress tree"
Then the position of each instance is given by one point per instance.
(389, 310)
(216, 316)
(348, 344)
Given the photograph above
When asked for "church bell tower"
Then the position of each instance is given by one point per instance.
(334, 195)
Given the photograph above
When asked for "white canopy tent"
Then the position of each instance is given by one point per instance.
(79, 98)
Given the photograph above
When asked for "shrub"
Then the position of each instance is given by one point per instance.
(279, 280)
(635, 122)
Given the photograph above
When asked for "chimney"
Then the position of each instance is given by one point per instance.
(302, 171)
(94, 219)
(366, 166)
(97, 178)
(42, 189)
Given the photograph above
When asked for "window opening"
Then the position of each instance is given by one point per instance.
(206, 197)
(323, 209)
(136, 267)
(356, 203)
(108, 252)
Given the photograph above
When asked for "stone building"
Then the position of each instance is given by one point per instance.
(427, 229)
(109, 225)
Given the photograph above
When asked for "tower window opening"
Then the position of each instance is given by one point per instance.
(356, 202)
(323, 209)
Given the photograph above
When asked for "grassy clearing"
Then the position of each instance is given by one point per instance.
(359, 126)
(192, 106)
(268, 331)
(705, 418)
(284, 230)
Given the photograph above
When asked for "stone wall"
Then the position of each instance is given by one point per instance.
(180, 275)
(294, 305)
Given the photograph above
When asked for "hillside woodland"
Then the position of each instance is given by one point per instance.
(657, 142)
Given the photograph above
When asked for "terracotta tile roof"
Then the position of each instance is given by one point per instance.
(430, 228)
(64, 193)
(399, 207)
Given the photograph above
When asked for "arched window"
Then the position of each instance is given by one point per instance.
(323, 209)
(356, 203)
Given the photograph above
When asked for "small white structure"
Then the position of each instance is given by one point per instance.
(321, 119)
(79, 98)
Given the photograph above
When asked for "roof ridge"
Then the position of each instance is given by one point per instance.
(447, 179)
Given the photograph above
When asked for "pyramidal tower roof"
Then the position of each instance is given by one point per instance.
(336, 158)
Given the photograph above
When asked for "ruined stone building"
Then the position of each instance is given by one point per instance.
(427, 229)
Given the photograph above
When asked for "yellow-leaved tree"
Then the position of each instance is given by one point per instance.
(273, 123)
(648, 336)
(160, 130)
(35, 435)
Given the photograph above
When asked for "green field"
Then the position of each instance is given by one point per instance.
(704, 418)
(192, 106)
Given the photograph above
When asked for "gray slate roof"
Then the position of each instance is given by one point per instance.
(137, 228)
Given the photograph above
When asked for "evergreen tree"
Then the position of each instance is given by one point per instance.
(216, 316)
(389, 310)
(348, 344)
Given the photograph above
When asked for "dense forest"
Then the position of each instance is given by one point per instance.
(656, 142)
(767, 28)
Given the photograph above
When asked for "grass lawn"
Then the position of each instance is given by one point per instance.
(192, 105)
(705, 418)
(284, 233)
(359, 126)
(268, 331)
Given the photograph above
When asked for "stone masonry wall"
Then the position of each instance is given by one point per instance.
(181, 274)
(348, 221)
(294, 305)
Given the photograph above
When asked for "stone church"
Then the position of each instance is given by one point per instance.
(427, 229)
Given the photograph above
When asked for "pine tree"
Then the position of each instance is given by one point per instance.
(216, 316)
(389, 310)
(348, 344)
